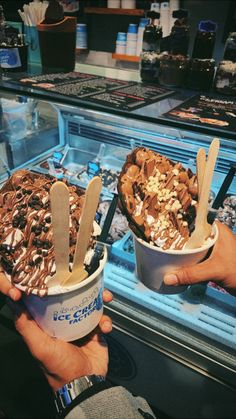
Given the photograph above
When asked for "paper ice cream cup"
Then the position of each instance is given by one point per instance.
(152, 263)
(70, 313)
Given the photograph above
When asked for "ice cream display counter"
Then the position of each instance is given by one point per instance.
(178, 351)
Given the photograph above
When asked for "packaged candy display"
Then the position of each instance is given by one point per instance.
(13, 49)
(201, 74)
(149, 66)
(230, 48)
(152, 34)
(179, 37)
(205, 40)
(225, 79)
(173, 70)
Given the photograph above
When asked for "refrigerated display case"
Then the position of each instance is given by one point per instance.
(178, 351)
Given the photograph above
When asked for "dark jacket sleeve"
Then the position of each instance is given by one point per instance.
(105, 402)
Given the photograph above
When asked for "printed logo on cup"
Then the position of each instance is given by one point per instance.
(79, 312)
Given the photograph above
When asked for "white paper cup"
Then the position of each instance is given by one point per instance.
(73, 312)
(152, 263)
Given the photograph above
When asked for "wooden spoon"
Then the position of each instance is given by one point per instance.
(86, 224)
(60, 207)
(200, 233)
(201, 166)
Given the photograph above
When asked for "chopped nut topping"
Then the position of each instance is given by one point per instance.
(176, 172)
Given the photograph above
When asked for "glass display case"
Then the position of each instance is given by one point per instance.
(178, 351)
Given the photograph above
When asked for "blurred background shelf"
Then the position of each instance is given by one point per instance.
(109, 11)
(123, 57)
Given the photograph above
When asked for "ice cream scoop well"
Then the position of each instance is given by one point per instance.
(86, 224)
(60, 208)
(200, 232)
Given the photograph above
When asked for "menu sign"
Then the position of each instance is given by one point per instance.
(210, 111)
(131, 97)
(84, 88)
(119, 94)
(49, 81)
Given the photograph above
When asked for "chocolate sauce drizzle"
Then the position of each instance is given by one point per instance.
(26, 237)
(158, 196)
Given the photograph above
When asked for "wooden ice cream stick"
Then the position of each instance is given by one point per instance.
(60, 208)
(85, 229)
(201, 166)
(201, 230)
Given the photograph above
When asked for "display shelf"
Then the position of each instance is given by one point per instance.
(124, 57)
(110, 11)
(81, 50)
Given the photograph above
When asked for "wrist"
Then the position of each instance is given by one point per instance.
(75, 389)
(58, 381)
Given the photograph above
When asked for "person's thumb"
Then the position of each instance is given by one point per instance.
(8, 289)
(191, 274)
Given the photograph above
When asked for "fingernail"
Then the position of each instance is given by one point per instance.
(171, 279)
(12, 294)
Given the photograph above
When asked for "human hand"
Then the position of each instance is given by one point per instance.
(62, 362)
(219, 267)
(7, 288)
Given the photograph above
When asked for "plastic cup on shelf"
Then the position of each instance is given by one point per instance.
(142, 23)
(131, 48)
(121, 43)
(132, 28)
(128, 4)
(113, 4)
(121, 36)
(81, 36)
(120, 48)
(152, 263)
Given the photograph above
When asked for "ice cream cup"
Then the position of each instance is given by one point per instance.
(152, 263)
(69, 313)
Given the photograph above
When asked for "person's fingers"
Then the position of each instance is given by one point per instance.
(107, 296)
(27, 327)
(205, 271)
(8, 289)
(105, 324)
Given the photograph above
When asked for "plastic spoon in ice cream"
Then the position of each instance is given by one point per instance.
(60, 208)
(201, 166)
(201, 232)
(85, 229)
